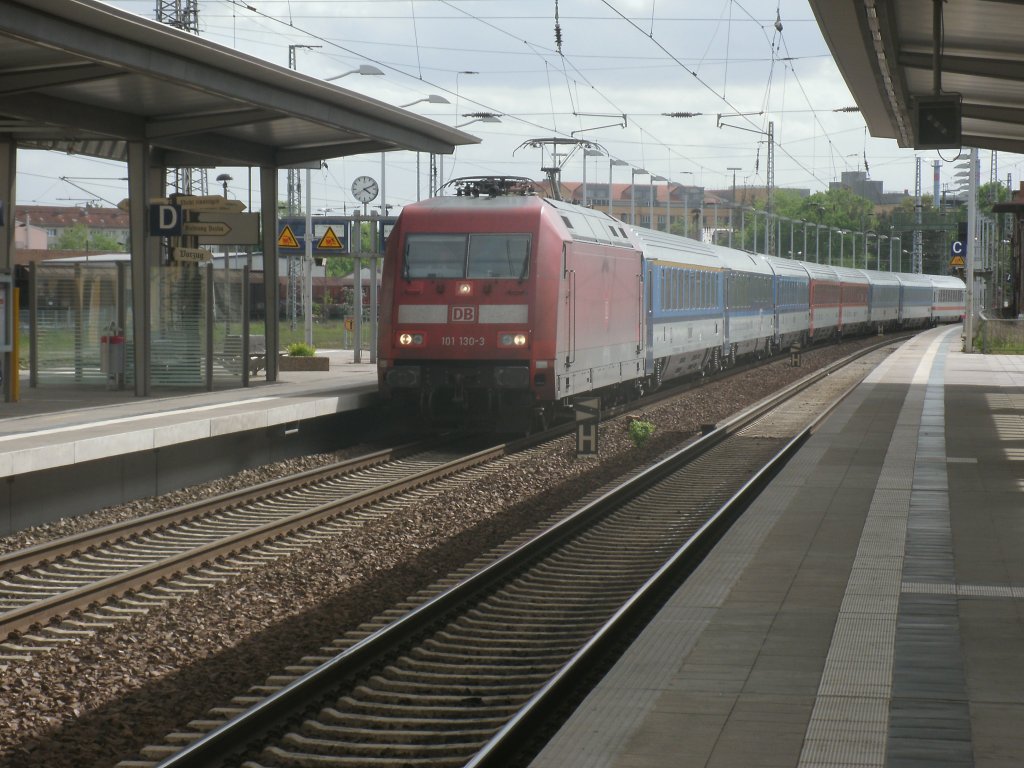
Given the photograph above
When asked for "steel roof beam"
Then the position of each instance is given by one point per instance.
(21, 81)
(184, 125)
(999, 69)
(81, 118)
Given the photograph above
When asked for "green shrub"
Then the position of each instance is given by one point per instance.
(300, 349)
(640, 431)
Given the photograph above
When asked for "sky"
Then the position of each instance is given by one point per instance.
(603, 71)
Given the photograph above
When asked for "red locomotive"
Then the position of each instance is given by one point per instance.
(494, 307)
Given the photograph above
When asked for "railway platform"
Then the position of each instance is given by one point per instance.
(110, 446)
(867, 609)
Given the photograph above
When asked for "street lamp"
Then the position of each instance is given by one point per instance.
(225, 178)
(734, 168)
(362, 69)
(654, 179)
(480, 117)
(588, 153)
(433, 98)
(686, 206)
(632, 193)
(817, 241)
(612, 162)
(732, 207)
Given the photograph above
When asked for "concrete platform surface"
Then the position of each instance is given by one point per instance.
(867, 610)
(53, 426)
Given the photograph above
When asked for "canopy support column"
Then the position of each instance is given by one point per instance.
(143, 182)
(268, 211)
(8, 168)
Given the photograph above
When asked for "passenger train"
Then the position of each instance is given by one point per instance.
(500, 307)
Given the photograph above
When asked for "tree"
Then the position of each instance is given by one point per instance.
(838, 209)
(81, 238)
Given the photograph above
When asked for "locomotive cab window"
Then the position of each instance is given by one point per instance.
(467, 256)
(435, 256)
(502, 256)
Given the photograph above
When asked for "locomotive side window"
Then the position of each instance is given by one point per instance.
(503, 256)
(435, 256)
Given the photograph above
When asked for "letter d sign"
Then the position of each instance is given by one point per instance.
(165, 220)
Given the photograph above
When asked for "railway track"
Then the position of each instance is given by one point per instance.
(57, 591)
(464, 674)
(94, 579)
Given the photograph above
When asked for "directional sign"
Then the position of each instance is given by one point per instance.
(223, 228)
(330, 241)
(216, 228)
(209, 203)
(191, 254)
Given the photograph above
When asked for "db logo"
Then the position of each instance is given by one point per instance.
(463, 314)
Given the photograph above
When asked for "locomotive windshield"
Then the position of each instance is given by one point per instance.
(467, 256)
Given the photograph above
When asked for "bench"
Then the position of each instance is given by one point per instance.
(232, 355)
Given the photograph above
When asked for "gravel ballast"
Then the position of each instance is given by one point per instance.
(100, 698)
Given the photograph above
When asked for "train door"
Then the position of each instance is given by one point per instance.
(569, 291)
(647, 317)
(727, 290)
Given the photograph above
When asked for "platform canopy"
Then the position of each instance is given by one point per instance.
(86, 78)
(893, 53)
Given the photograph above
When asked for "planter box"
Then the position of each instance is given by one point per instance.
(315, 363)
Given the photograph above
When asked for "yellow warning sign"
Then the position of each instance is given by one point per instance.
(287, 238)
(956, 261)
(330, 241)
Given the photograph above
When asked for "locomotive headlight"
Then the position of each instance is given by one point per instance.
(511, 339)
(464, 289)
(410, 339)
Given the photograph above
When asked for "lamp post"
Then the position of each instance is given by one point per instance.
(612, 162)
(668, 206)
(632, 193)
(224, 178)
(588, 153)
(732, 206)
(654, 179)
(686, 206)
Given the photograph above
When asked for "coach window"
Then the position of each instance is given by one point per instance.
(435, 256)
(501, 256)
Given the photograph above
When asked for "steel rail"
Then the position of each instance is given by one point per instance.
(234, 736)
(55, 549)
(22, 619)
